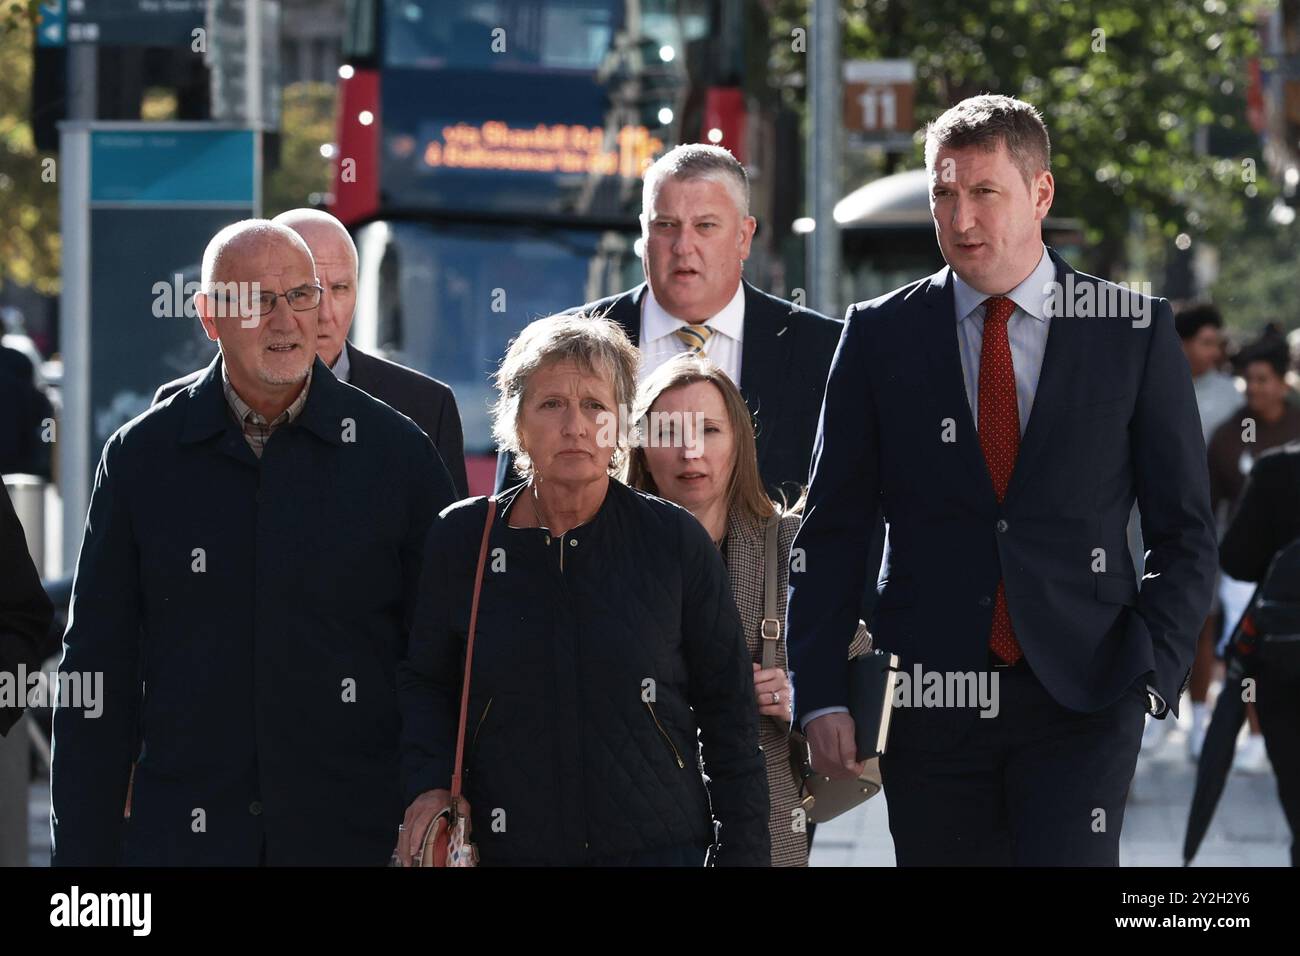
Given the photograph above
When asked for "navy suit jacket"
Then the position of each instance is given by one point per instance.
(783, 366)
(1114, 419)
(424, 400)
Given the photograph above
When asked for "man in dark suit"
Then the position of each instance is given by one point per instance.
(25, 613)
(426, 401)
(697, 230)
(245, 587)
(1004, 414)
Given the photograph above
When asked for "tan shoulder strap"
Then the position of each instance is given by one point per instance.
(469, 649)
(771, 628)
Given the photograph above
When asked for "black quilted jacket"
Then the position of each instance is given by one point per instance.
(606, 663)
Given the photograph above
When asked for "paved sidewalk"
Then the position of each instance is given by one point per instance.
(1248, 829)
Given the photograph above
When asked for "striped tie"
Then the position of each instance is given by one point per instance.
(694, 336)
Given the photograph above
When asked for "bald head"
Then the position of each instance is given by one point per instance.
(335, 255)
(320, 231)
(241, 246)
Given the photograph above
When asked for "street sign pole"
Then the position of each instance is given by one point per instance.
(822, 181)
(74, 316)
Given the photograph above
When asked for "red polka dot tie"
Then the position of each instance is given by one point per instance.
(999, 428)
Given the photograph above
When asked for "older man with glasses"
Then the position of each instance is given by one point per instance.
(245, 587)
(426, 401)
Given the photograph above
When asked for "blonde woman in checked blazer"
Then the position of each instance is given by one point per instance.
(695, 447)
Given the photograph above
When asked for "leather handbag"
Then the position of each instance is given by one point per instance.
(446, 842)
(820, 797)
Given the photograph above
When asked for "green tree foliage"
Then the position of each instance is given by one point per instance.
(1257, 278)
(1132, 94)
(306, 123)
(29, 191)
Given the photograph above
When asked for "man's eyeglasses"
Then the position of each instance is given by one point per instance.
(300, 299)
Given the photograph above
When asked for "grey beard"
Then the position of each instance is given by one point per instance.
(291, 378)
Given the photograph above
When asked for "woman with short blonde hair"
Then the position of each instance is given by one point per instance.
(607, 645)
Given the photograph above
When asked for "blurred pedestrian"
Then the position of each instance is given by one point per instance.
(25, 613)
(1267, 520)
(696, 448)
(426, 401)
(1200, 328)
(1268, 419)
(245, 589)
(608, 651)
(26, 419)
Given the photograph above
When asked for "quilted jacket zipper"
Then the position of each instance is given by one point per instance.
(664, 733)
(473, 744)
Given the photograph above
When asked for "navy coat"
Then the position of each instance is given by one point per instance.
(1114, 421)
(248, 618)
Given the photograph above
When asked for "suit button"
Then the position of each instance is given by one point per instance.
(1002, 525)
(255, 808)
(985, 601)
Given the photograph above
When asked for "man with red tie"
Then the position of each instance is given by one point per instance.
(1004, 414)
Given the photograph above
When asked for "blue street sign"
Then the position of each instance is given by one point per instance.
(51, 30)
(186, 167)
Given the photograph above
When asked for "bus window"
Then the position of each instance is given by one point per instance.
(447, 298)
(550, 34)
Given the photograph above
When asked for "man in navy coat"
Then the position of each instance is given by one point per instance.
(1004, 414)
(245, 586)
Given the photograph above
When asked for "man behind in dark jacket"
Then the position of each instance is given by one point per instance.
(244, 588)
(697, 231)
(426, 401)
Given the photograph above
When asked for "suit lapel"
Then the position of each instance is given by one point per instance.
(358, 368)
(948, 385)
(1066, 344)
(626, 311)
(763, 361)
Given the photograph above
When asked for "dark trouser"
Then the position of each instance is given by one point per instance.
(1278, 702)
(1037, 785)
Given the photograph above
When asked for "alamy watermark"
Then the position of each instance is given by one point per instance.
(38, 688)
(655, 430)
(948, 690)
(1087, 299)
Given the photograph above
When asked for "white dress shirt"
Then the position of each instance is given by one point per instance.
(342, 367)
(658, 344)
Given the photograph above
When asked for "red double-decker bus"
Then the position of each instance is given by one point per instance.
(489, 159)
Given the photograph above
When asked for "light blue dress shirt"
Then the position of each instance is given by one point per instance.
(1026, 329)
